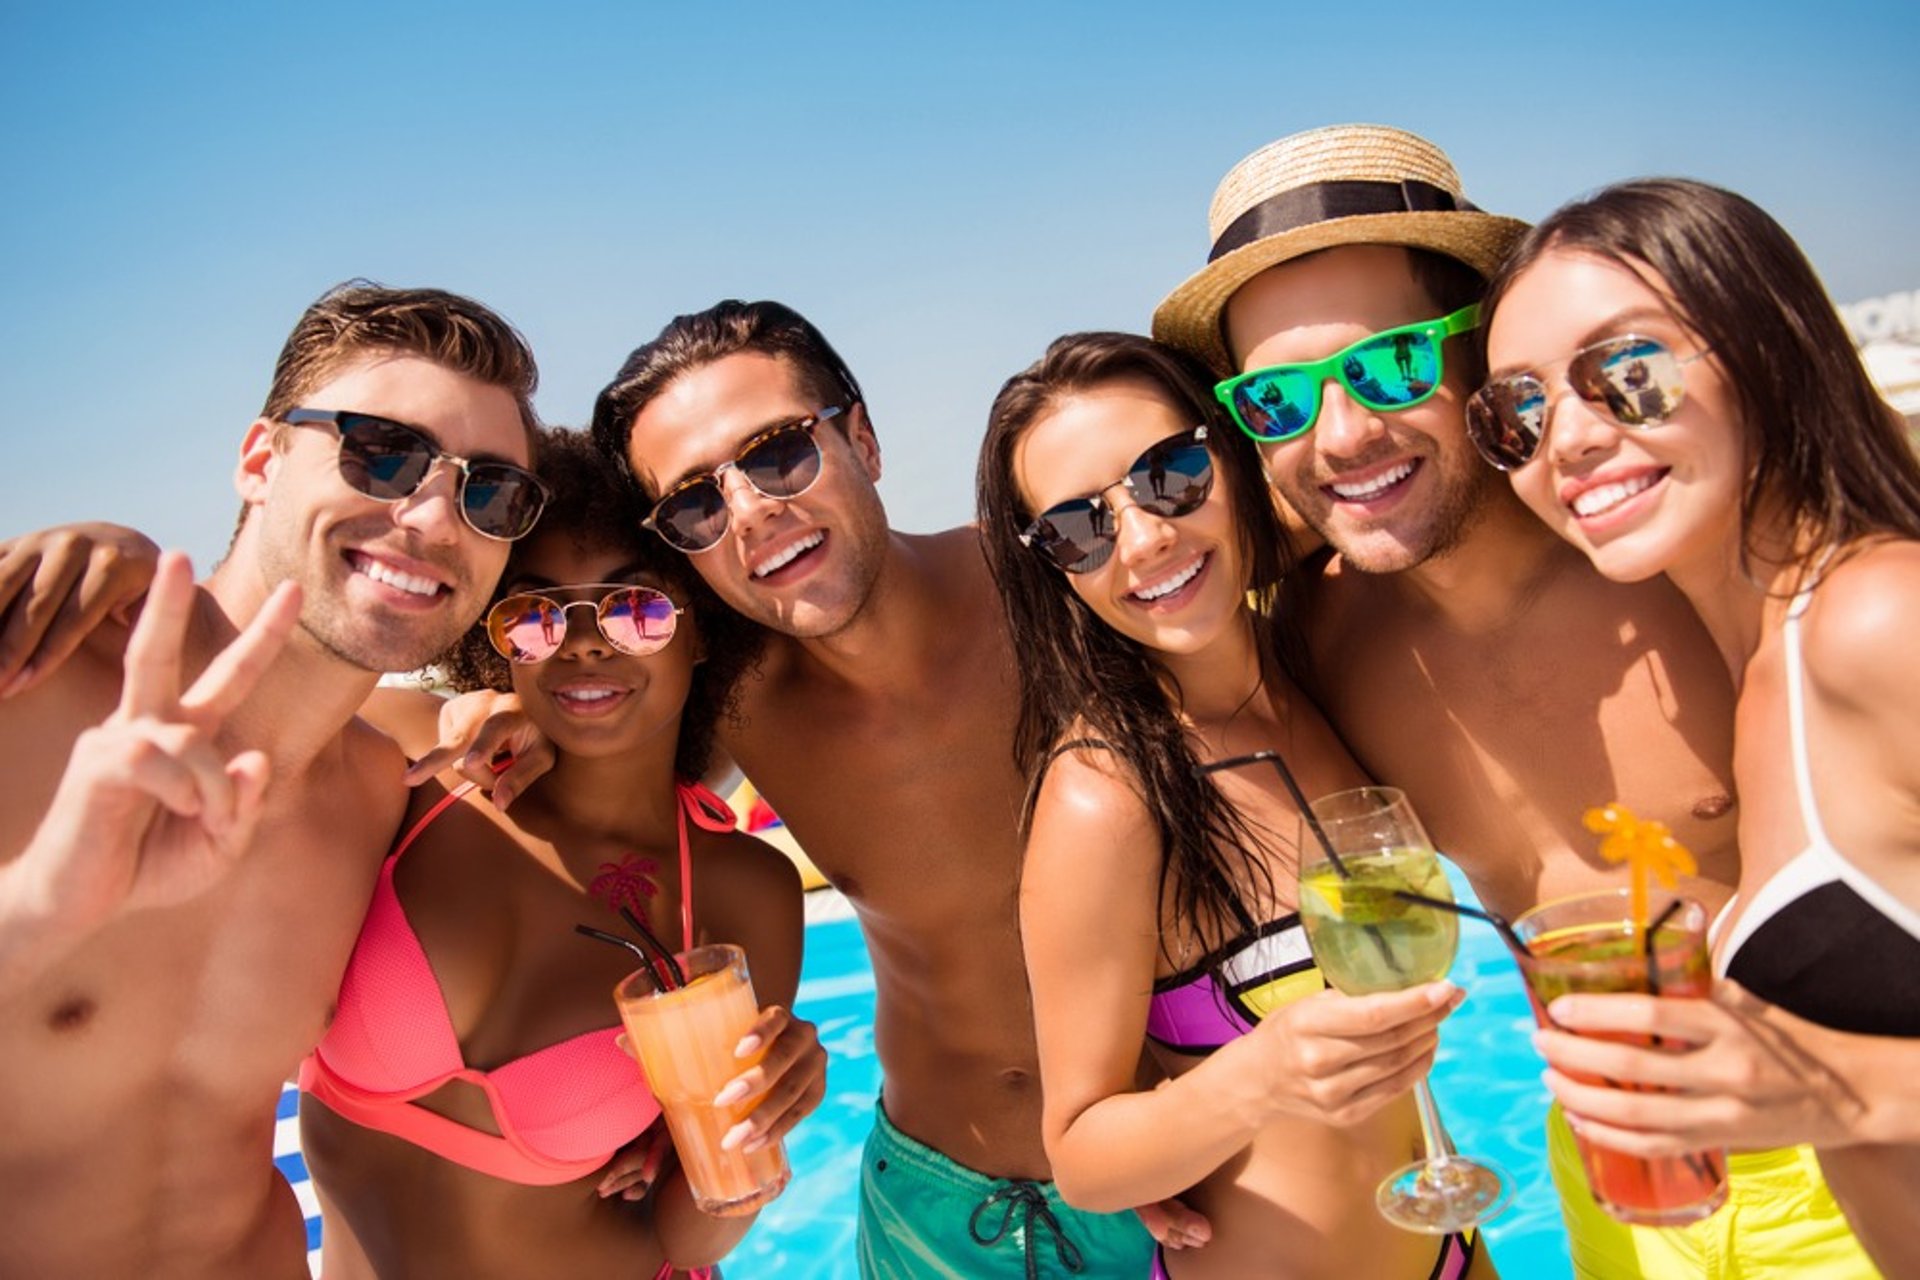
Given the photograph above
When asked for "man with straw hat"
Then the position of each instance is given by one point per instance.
(1500, 681)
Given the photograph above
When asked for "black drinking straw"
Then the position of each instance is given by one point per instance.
(1293, 789)
(1499, 922)
(1647, 946)
(614, 939)
(659, 948)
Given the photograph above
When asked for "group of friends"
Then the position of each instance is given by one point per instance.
(1520, 520)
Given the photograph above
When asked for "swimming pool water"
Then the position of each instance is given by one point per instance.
(1487, 1080)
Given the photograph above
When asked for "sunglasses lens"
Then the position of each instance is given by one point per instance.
(1077, 536)
(692, 517)
(1393, 370)
(501, 501)
(1275, 404)
(382, 459)
(526, 628)
(782, 464)
(1637, 379)
(1506, 420)
(1173, 477)
(637, 620)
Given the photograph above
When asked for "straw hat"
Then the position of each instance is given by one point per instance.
(1345, 184)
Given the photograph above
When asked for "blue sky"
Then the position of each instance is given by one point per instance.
(942, 189)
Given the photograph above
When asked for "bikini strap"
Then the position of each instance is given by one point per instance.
(440, 806)
(710, 813)
(1797, 720)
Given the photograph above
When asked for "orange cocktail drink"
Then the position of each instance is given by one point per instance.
(1591, 944)
(684, 1037)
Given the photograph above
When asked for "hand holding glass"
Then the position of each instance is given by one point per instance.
(1368, 934)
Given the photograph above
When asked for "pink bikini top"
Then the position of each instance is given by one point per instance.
(562, 1110)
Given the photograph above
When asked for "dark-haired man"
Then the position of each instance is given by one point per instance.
(881, 730)
(1464, 652)
(192, 822)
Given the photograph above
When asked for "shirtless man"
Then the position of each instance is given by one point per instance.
(180, 887)
(881, 730)
(1502, 682)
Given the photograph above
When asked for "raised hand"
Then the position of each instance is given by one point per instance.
(489, 741)
(57, 586)
(150, 813)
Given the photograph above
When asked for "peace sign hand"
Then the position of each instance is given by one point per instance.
(149, 813)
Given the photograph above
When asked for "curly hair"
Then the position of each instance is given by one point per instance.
(593, 506)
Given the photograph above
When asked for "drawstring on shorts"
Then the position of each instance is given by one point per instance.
(1019, 1196)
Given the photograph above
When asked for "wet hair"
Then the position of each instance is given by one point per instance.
(1824, 443)
(358, 318)
(690, 342)
(1075, 669)
(593, 508)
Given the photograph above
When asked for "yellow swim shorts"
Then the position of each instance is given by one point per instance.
(1779, 1223)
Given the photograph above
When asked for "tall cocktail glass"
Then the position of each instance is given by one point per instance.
(1591, 943)
(1366, 938)
(685, 1038)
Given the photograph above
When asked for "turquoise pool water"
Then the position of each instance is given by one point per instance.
(1487, 1080)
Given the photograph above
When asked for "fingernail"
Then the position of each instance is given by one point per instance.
(502, 797)
(736, 1136)
(18, 682)
(748, 1046)
(1444, 992)
(735, 1090)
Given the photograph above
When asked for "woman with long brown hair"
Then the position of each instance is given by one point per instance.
(1127, 524)
(1672, 392)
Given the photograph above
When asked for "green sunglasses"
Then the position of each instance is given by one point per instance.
(1387, 371)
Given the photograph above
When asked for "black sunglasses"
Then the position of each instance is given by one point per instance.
(1172, 478)
(781, 462)
(388, 461)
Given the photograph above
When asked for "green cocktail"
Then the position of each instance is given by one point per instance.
(1365, 937)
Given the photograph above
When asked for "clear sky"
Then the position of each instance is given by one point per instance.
(943, 189)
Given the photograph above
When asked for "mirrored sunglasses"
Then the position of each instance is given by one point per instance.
(530, 626)
(782, 462)
(388, 461)
(1387, 371)
(1172, 478)
(1636, 381)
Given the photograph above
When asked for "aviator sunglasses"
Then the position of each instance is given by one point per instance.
(781, 462)
(1637, 382)
(530, 626)
(1172, 478)
(1388, 371)
(388, 461)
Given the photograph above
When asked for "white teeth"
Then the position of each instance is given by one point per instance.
(1607, 496)
(1172, 584)
(587, 695)
(400, 581)
(789, 555)
(1374, 487)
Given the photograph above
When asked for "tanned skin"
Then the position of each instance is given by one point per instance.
(149, 1029)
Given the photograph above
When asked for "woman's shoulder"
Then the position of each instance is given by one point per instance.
(1859, 626)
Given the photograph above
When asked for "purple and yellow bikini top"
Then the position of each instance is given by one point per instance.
(1221, 996)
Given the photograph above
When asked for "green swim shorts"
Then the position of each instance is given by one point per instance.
(921, 1214)
(1779, 1223)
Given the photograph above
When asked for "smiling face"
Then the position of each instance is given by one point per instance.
(387, 585)
(1388, 489)
(590, 698)
(1638, 502)
(803, 566)
(1173, 583)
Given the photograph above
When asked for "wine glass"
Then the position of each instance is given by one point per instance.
(1360, 903)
